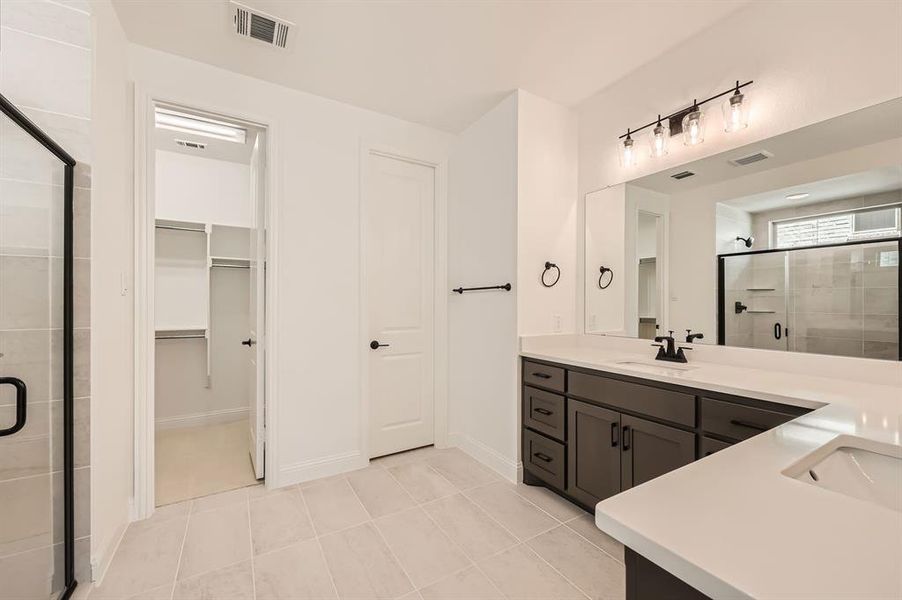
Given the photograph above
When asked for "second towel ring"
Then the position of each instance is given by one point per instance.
(549, 266)
(604, 270)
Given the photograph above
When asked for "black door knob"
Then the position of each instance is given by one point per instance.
(248, 342)
(375, 345)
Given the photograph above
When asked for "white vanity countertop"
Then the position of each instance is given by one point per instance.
(731, 525)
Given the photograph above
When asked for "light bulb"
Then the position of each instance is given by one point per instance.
(694, 126)
(658, 139)
(628, 151)
(736, 112)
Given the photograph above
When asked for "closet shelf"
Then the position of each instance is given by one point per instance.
(180, 334)
(231, 263)
(760, 289)
(180, 225)
(761, 312)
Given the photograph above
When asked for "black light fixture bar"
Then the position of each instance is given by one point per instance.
(682, 111)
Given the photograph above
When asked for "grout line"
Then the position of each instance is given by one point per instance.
(55, 112)
(250, 541)
(319, 544)
(45, 38)
(178, 565)
(566, 524)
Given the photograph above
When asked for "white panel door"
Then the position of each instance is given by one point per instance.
(399, 203)
(256, 319)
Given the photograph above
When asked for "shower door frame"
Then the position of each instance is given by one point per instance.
(721, 291)
(19, 118)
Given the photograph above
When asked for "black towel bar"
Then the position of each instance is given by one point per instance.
(506, 287)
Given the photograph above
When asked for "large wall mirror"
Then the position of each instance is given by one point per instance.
(791, 243)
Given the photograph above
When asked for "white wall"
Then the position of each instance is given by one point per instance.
(202, 189)
(606, 245)
(315, 159)
(808, 65)
(112, 376)
(482, 250)
(546, 214)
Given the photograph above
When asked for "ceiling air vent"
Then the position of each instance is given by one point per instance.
(751, 158)
(190, 144)
(250, 23)
(682, 174)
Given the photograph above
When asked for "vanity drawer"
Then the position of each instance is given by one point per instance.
(544, 458)
(544, 411)
(655, 402)
(543, 376)
(710, 446)
(737, 421)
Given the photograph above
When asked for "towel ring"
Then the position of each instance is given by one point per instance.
(548, 267)
(604, 270)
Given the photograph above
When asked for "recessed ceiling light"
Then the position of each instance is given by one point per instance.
(186, 123)
(798, 196)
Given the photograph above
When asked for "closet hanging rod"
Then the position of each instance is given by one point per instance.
(196, 336)
(175, 228)
(215, 266)
(506, 287)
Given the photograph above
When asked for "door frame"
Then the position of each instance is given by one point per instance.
(439, 164)
(144, 264)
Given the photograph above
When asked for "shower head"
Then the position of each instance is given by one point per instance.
(747, 241)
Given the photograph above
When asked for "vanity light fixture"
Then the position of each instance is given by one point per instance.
(694, 126)
(628, 150)
(658, 139)
(735, 111)
(688, 121)
(798, 196)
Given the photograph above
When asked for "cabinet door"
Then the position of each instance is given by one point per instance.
(593, 452)
(651, 449)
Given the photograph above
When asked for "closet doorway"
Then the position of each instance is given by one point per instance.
(205, 181)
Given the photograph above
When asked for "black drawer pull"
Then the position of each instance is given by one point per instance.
(626, 438)
(615, 429)
(543, 457)
(543, 411)
(542, 375)
(754, 426)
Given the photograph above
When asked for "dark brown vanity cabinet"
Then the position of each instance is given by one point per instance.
(651, 449)
(593, 454)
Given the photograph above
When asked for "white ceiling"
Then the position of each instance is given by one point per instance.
(441, 63)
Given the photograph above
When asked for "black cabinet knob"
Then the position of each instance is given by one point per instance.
(375, 345)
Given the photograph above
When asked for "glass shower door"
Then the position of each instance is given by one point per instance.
(35, 399)
(756, 302)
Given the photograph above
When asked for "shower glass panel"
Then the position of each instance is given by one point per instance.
(35, 364)
(842, 299)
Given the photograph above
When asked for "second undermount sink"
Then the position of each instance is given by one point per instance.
(656, 366)
(855, 467)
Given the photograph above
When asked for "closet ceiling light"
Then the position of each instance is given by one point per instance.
(798, 196)
(185, 123)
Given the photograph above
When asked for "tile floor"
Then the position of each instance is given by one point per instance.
(198, 461)
(426, 524)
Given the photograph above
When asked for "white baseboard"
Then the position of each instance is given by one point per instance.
(226, 415)
(321, 467)
(511, 470)
(100, 562)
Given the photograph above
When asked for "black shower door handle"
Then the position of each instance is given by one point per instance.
(778, 331)
(21, 393)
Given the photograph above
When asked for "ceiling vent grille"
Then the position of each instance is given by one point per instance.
(682, 174)
(191, 144)
(751, 158)
(250, 23)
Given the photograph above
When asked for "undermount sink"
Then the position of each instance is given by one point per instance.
(856, 467)
(655, 366)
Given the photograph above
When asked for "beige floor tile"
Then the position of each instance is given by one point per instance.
(216, 538)
(585, 526)
(161, 593)
(279, 519)
(235, 582)
(296, 572)
(554, 505)
(422, 482)
(147, 558)
(426, 553)
(403, 458)
(461, 470)
(334, 506)
(469, 527)
(219, 500)
(591, 570)
(469, 584)
(198, 461)
(362, 565)
(379, 492)
(509, 508)
(519, 573)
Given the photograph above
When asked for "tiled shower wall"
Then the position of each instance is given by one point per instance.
(45, 69)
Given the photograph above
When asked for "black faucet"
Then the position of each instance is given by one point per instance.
(691, 337)
(671, 353)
